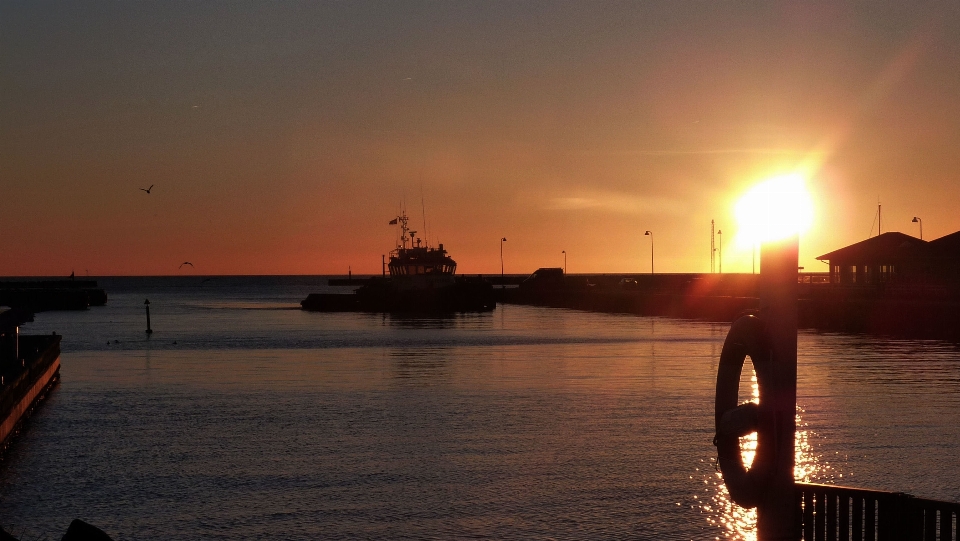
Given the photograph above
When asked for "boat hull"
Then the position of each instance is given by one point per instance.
(386, 296)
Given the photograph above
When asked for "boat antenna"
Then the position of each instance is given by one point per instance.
(423, 210)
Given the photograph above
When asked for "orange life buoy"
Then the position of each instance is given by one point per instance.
(747, 337)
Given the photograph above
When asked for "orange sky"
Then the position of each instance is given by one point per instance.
(282, 137)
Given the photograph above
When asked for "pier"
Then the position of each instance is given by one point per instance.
(43, 295)
(29, 369)
(902, 310)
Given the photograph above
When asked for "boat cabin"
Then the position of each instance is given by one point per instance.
(421, 261)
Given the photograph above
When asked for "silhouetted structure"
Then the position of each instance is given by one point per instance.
(897, 259)
(943, 259)
(888, 257)
(422, 279)
(29, 367)
(43, 295)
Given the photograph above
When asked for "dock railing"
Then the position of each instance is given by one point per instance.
(834, 513)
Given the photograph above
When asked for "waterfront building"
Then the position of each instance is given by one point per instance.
(889, 257)
(896, 258)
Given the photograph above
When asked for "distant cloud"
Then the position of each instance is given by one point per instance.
(699, 152)
(616, 202)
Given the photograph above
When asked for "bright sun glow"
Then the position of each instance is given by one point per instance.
(773, 210)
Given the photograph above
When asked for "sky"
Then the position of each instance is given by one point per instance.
(282, 137)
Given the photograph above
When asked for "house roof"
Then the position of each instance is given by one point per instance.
(887, 247)
(946, 246)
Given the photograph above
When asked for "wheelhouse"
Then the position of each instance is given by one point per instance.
(421, 261)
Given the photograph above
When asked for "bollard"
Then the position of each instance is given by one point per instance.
(146, 303)
(778, 309)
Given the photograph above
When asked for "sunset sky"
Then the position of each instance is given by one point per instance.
(281, 137)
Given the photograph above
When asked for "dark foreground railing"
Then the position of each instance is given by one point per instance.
(832, 513)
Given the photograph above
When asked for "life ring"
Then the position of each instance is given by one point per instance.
(747, 487)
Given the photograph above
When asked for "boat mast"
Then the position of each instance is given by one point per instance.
(402, 220)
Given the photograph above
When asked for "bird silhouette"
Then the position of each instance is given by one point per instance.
(185, 263)
(147, 189)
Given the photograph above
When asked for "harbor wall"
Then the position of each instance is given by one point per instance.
(26, 385)
(902, 311)
(43, 295)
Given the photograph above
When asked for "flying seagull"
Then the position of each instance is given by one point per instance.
(147, 189)
(185, 263)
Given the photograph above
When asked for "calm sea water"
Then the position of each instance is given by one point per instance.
(244, 417)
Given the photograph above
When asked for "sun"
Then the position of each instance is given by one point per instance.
(775, 209)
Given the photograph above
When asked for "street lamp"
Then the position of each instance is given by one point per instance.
(502, 240)
(564, 252)
(650, 233)
(919, 221)
(720, 242)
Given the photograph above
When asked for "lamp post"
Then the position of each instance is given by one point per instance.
(502, 240)
(650, 234)
(564, 252)
(917, 220)
(720, 246)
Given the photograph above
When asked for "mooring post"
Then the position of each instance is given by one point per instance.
(776, 518)
(146, 303)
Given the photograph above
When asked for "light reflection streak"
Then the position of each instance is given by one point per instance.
(732, 522)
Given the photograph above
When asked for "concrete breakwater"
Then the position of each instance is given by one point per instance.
(43, 295)
(904, 310)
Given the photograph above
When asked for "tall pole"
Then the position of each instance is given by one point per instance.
(720, 242)
(778, 311)
(713, 249)
(146, 303)
(564, 252)
(918, 220)
(650, 233)
(502, 240)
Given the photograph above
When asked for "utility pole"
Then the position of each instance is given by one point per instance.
(720, 240)
(713, 249)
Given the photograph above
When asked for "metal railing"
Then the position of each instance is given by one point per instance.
(833, 513)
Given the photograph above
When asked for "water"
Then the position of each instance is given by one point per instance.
(244, 417)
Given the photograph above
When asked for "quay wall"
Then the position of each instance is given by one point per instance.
(903, 311)
(26, 385)
(43, 295)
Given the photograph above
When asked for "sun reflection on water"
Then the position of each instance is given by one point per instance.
(732, 522)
